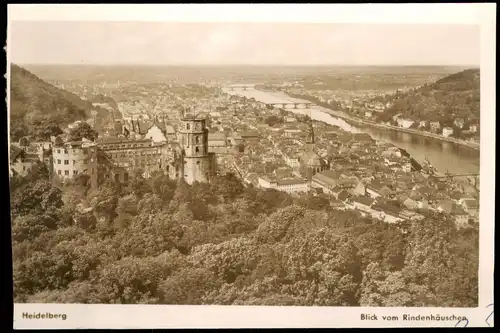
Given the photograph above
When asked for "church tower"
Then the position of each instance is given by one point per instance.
(310, 143)
(193, 137)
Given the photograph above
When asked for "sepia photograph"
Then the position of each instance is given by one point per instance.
(291, 164)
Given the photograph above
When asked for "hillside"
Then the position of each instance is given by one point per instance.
(162, 241)
(37, 107)
(454, 96)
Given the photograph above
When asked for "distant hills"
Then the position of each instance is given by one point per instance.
(454, 96)
(37, 108)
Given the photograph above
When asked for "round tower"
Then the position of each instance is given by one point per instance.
(193, 137)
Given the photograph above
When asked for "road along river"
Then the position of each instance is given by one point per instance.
(445, 156)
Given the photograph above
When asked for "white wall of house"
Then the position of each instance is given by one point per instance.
(155, 134)
(372, 193)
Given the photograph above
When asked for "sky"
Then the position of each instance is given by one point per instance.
(183, 43)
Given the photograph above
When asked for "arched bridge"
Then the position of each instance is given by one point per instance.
(291, 105)
(234, 87)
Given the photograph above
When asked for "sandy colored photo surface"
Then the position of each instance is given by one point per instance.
(218, 166)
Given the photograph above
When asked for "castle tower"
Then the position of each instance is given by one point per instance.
(193, 137)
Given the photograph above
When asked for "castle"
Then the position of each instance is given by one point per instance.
(115, 158)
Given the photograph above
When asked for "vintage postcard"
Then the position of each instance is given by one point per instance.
(252, 166)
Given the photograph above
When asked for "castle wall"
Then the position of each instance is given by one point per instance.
(69, 161)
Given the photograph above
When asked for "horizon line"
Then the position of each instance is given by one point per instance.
(242, 65)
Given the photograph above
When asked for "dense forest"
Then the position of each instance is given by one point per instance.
(454, 96)
(39, 109)
(160, 241)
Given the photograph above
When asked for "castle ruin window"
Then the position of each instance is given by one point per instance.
(125, 177)
(66, 162)
(197, 149)
(66, 172)
(197, 139)
(197, 162)
(58, 172)
(188, 126)
(75, 172)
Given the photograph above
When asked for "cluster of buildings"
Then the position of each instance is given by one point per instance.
(198, 137)
(117, 157)
(355, 171)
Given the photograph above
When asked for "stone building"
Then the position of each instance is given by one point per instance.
(186, 157)
(310, 162)
(121, 156)
(198, 164)
(72, 158)
(21, 161)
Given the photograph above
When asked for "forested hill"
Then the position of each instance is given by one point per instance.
(454, 96)
(37, 106)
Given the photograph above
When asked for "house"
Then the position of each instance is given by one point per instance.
(363, 204)
(459, 122)
(435, 126)
(410, 203)
(292, 185)
(250, 135)
(368, 114)
(283, 172)
(473, 128)
(445, 206)
(422, 124)
(326, 180)
(290, 133)
(252, 178)
(267, 182)
(376, 189)
(404, 123)
(409, 215)
(352, 185)
(170, 132)
(470, 205)
(290, 119)
(337, 204)
(292, 161)
(340, 193)
(21, 161)
(386, 212)
(235, 139)
(156, 134)
(460, 215)
(420, 199)
(447, 131)
(217, 142)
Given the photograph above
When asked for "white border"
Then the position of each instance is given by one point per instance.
(151, 316)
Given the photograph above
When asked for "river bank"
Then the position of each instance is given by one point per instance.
(359, 121)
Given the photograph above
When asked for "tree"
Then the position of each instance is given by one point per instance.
(45, 129)
(38, 196)
(273, 120)
(83, 130)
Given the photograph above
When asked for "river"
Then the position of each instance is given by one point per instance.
(445, 156)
